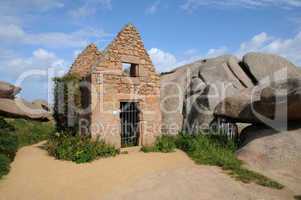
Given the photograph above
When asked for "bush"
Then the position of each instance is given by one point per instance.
(4, 165)
(164, 143)
(8, 139)
(8, 144)
(78, 149)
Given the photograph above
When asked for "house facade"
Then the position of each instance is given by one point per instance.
(123, 100)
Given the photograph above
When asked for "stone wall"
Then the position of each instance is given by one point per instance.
(110, 86)
(85, 61)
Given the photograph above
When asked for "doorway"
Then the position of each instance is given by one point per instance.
(129, 118)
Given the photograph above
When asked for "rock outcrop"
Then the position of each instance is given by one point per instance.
(275, 154)
(190, 93)
(263, 66)
(8, 90)
(279, 101)
(19, 108)
(229, 88)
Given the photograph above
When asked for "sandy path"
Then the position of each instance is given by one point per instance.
(36, 176)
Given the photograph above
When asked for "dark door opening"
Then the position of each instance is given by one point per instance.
(129, 117)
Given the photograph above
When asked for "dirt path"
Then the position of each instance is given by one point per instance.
(36, 176)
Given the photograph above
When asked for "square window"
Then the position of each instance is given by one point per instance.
(130, 69)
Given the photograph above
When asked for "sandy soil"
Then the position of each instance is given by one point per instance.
(37, 176)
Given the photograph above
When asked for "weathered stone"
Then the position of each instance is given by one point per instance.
(279, 101)
(8, 90)
(83, 64)
(19, 108)
(268, 66)
(275, 154)
(190, 93)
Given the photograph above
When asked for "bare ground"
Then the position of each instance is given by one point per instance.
(37, 176)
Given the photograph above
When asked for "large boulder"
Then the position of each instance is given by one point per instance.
(8, 90)
(278, 102)
(19, 108)
(190, 93)
(275, 154)
(262, 67)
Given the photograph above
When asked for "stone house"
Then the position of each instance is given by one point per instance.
(123, 100)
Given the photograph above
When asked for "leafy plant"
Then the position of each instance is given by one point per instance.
(67, 99)
(78, 149)
(4, 165)
(8, 144)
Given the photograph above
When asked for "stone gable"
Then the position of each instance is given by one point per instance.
(111, 87)
(85, 61)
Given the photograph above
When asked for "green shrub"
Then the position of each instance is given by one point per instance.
(4, 165)
(164, 143)
(78, 149)
(8, 144)
(4, 125)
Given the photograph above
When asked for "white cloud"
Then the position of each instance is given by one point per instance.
(40, 59)
(90, 7)
(15, 34)
(152, 9)
(288, 47)
(162, 60)
(255, 43)
(12, 6)
(191, 5)
(35, 72)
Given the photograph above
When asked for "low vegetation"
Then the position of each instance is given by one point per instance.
(16, 133)
(164, 143)
(78, 149)
(210, 149)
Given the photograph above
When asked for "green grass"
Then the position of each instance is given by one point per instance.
(16, 133)
(78, 149)
(164, 143)
(212, 150)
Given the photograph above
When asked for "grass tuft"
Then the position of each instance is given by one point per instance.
(213, 150)
(164, 144)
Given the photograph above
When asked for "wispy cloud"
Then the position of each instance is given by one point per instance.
(191, 5)
(90, 7)
(289, 48)
(16, 6)
(286, 47)
(15, 34)
(153, 8)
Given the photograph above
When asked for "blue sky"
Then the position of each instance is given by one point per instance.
(39, 39)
